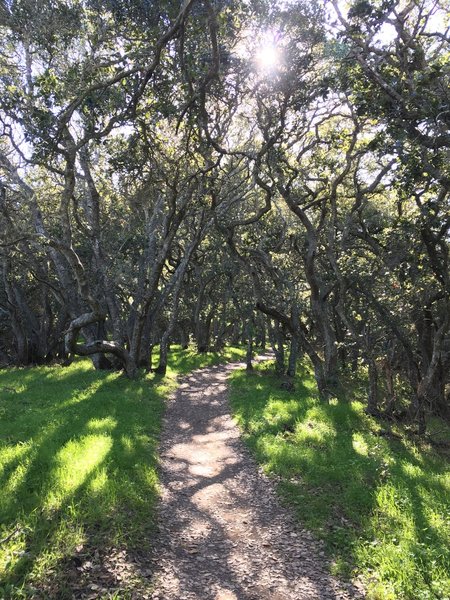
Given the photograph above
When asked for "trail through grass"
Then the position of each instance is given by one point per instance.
(381, 504)
(78, 466)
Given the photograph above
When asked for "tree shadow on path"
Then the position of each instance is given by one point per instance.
(223, 534)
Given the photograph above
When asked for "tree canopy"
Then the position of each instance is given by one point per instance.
(223, 171)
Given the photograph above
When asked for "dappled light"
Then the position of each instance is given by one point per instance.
(74, 464)
(78, 456)
(183, 361)
(106, 424)
(185, 185)
(374, 500)
(74, 484)
(232, 537)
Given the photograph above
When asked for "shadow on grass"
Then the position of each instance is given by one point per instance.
(379, 504)
(78, 460)
(78, 471)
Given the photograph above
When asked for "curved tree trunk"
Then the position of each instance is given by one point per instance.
(97, 346)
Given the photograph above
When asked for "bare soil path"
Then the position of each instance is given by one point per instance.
(223, 534)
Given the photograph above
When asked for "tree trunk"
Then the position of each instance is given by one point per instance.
(93, 333)
(262, 334)
(372, 400)
(184, 337)
(203, 332)
(249, 354)
(277, 342)
(390, 387)
(419, 412)
(293, 354)
(161, 369)
(146, 344)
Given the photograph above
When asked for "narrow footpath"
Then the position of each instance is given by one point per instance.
(223, 534)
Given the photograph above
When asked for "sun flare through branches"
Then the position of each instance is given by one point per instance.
(268, 54)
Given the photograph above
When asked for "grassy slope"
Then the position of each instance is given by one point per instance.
(381, 505)
(78, 465)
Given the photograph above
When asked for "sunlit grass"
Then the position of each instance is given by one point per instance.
(183, 361)
(381, 505)
(78, 466)
(65, 480)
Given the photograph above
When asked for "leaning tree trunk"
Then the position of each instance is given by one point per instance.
(221, 329)
(419, 411)
(164, 346)
(161, 369)
(20, 325)
(318, 302)
(183, 328)
(424, 389)
(97, 332)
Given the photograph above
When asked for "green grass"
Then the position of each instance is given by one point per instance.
(181, 361)
(78, 467)
(380, 504)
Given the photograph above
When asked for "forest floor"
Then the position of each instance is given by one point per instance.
(223, 534)
(78, 477)
(79, 488)
(375, 494)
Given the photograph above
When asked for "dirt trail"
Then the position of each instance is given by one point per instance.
(223, 534)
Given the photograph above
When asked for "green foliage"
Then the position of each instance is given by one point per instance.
(380, 503)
